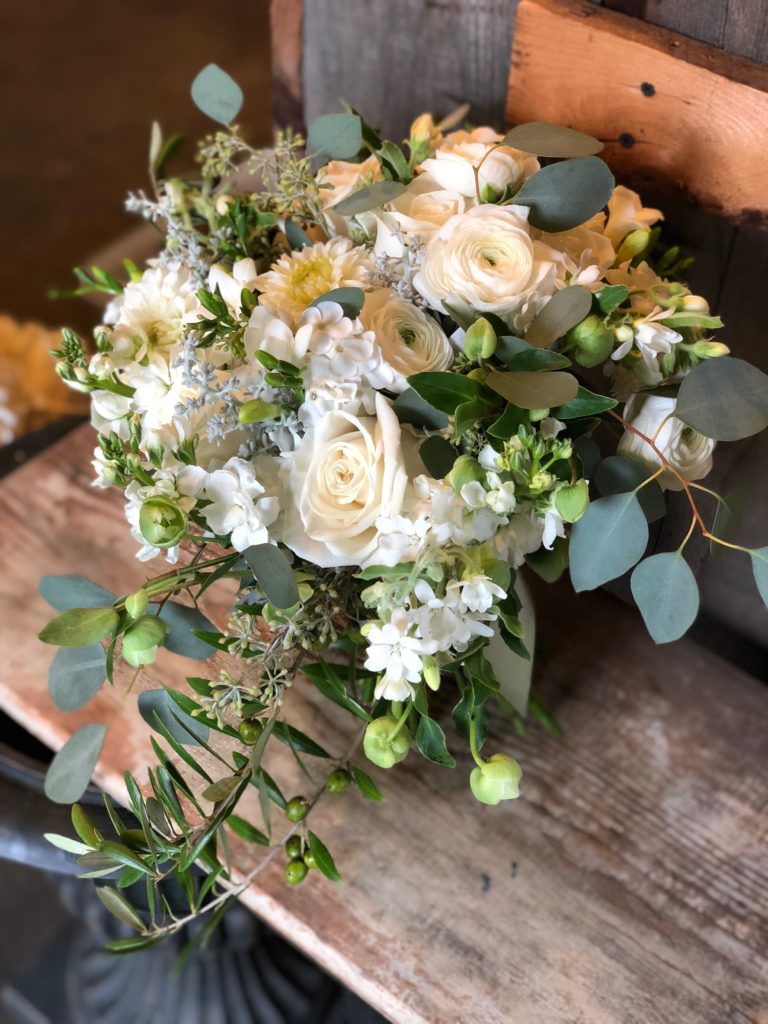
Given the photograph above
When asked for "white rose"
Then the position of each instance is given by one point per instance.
(486, 261)
(453, 165)
(410, 340)
(626, 213)
(687, 451)
(347, 472)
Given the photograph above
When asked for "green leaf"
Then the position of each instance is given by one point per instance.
(611, 296)
(297, 237)
(66, 844)
(329, 683)
(564, 310)
(586, 403)
(551, 140)
(338, 136)
(366, 785)
(430, 739)
(520, 355)
(160, 703)
(245, 830)
(76, 674)
(350, 299)
(617, 474)
(411, 408)
(534, 390)
(297, 740)
(221, 789)
(445, 391)
(119, 906)
(132, 944)
(566, 194)
(141, 640)
(323, 858)
(760, 570)
(217, 94)
(85, 827)
(550, 565)
(181, 620)
(274, 574)
(79, 627)
(607, 541)
(71, 769)
(64, 592)
(511, 662)
(371, 197)
(683, 319)
(667, 595)
(507, 424)
(724, 398)
(438, 456)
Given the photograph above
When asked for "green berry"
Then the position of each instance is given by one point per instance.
(295, 872)
(250, 731)
(338, 781)
(297, 808)
(309, 859)
(293, 847)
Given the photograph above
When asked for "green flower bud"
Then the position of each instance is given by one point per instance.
(591, 340)
(338, 781)
(294, 847)
(297, 808)
(479, 374)
(541, 482)
(480, 340)
(141, 640)
(633, 244)
(162, 524)
(709, 349)
(431, 672)
(295, 872)
(624, 333)
(489, 194)
(535, 415)
(255, 411)
(694, 304)
(465, 469)
(136, 604)
(497, 780)
(378, 746)
(572, 500)
(250, 731)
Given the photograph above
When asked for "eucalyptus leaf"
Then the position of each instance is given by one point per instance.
(430, 739)
(724, 398)
(160, 703)
(438, 456)
(79, 627)
(617, 474)
(550, 565)
(411, 408)
(564, 310)
(551, 140)
(350, 299)
(297, 237)
(586, 403)
(71, 769)
(533, 390)
(564, 195)
(64, 592)
(760, 570)
(371, 197)
(181, 620)
(607, 541)
(76, 674)
(667, 595)
(338, 136)
(217, 94)
(274, 574)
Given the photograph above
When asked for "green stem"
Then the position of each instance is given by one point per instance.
(473, 742)
(401, 722)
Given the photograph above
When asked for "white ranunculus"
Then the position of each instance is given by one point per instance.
(423, 208)
(626, 213)
(347, 472)
(410, 340)
(486, 261)
(453, 165)
(687, 451)
(231, 283)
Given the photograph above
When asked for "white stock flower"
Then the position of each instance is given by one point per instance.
(485, 260)
(398, 655)
(347, 472)
(687, 451)
(453, 164)
(447, 622)
(231, 283)
(239, 505)
(339, 347)
(300, 277)
(268, 333)
(626, 213)
(410, 340)
(479, 592)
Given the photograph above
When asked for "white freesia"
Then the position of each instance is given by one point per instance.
(626, 213)
(240, 507)
(347, 472)
(472, 163)
(687, 451)
(410, 340)
(486, 261)
(232, 283)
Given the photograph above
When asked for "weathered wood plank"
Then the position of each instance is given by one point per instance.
(696, 127)
(394, 60)
(628, 883)
(286, 26)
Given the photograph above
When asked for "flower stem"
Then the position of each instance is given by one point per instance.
(473, 742)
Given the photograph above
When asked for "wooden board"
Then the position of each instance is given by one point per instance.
(628, 884)
(673, 112)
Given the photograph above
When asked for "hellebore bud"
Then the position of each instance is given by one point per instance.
(480, 340)
(592, 341)
(497, 780)
(381, 747)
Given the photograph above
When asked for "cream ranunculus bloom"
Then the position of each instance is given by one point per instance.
(453, 165)
(626, 213)
(410, 340)
(339, 178)
(486, 261)
(347, 472)
(418, 212)
(689, 452)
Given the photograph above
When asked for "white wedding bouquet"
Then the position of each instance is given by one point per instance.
(362, 380)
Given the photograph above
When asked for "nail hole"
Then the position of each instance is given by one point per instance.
(647, 89)
(627, 140)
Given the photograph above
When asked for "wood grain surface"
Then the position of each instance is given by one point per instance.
(674, 113)
(626, 886)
